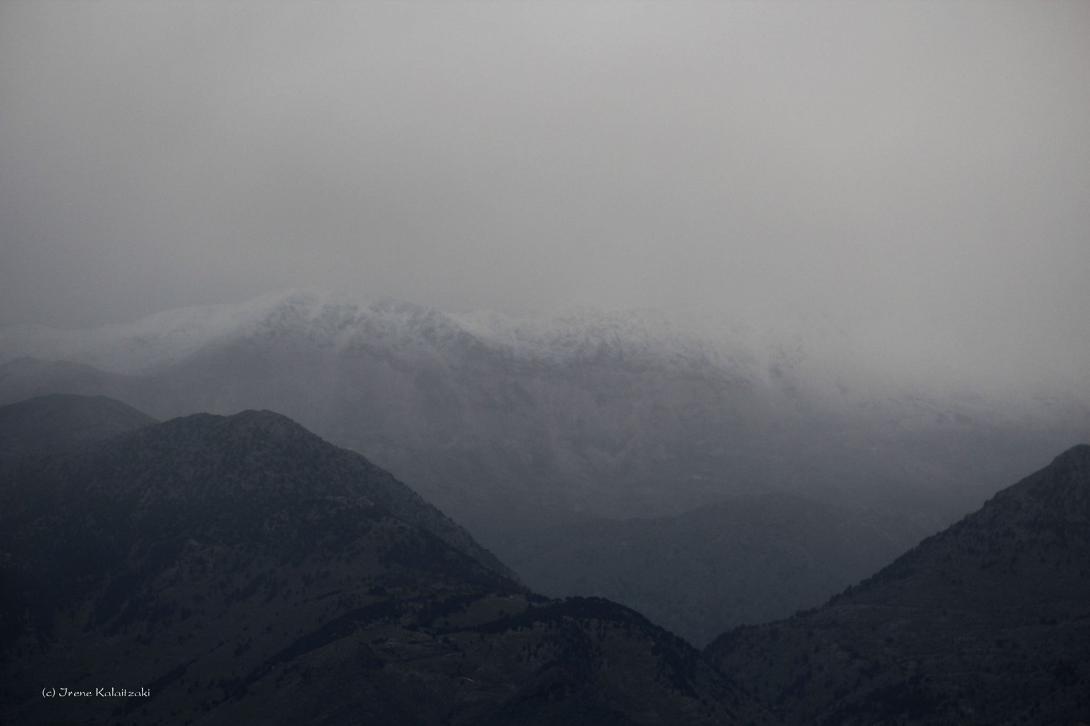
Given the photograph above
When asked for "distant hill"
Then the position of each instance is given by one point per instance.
(245, 571)
(986, 622)
(64, 422)
(748, 560)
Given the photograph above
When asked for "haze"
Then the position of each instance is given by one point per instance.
(919, 172)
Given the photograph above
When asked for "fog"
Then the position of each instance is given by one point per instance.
(916, 172)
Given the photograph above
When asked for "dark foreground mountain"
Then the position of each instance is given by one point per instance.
(242, 570)
(987, 622)
(63, 422)
(748, 560)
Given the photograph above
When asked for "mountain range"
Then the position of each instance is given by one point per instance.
(240, 569)
(539, 433)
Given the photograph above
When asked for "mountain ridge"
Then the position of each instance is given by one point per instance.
(987, 621)
(64, 422)
(242, 569)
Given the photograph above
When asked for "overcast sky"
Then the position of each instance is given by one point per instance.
(922, 168)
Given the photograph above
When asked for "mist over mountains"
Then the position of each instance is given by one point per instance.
(532, 431)
(586, 396)
(523, 364)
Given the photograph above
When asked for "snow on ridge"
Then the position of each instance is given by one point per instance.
(585, 331)
(344, 320)
(146, 343)
(814, 355)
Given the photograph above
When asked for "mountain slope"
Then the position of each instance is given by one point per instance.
(243, 570)
(749, 560)
(64, 422)
(986, 622)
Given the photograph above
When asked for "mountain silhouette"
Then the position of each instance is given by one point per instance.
(985, 622)
(243, 570)
(64, 422)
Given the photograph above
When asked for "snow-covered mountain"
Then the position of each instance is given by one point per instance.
(502, 420)
(343, 322)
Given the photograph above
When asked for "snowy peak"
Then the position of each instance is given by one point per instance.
(339, 321)
(810, 359)
(168, 337)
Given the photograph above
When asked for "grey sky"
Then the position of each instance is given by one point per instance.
(920, 169)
